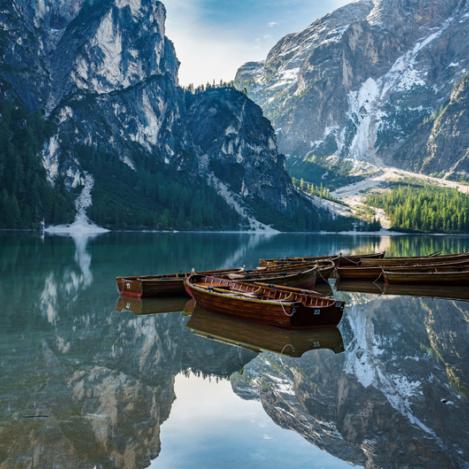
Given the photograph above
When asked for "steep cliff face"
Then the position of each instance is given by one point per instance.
(240, 155)
(449, 134)
(127, 136)
(365, 83)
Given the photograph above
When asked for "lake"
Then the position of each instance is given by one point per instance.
(86, 384)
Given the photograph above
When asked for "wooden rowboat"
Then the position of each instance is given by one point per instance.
(263, 337)
(436, 276)
(148, 286)
(302, 278)
(376, 273)
(414, 260)
(279, 306)
(337, 259)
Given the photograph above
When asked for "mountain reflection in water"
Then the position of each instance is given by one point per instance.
(82, 385)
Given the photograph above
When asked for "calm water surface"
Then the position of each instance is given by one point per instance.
(84, 384)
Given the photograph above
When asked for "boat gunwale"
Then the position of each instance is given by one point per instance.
(409, 261)
(332, 257)
(174, 276)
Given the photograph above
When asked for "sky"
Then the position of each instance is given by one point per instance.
(215, 37)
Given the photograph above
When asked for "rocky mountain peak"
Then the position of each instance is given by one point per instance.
(362, 82)
(417, 12)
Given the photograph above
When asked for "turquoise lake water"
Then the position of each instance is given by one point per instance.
(85, 384)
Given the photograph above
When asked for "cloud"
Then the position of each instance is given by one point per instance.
(272, 24)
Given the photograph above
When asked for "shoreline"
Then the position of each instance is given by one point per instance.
(249, 232)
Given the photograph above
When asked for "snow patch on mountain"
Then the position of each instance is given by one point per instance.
(126, 160)
(366, 106)
(363, 112)
(82, 224)
(50, 158)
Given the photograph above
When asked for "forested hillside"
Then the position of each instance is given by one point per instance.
(424, 208)
(26, 197)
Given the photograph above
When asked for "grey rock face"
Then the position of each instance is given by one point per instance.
(449, 134)
(104, 73)
(239, 146)
(368, 78)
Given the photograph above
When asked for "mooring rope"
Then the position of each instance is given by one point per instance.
(318, 270)
(282, 352)
(284, 312)
(349, 259)
(322, 276)
(375, 281)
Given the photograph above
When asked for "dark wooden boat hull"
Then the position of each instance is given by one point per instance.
(136, 288)
(376, 273)
(444, 277)
(359, 273)
(281, 314)
(400, 261)
(261, 337)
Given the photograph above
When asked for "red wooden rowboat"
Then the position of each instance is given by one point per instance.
(413, 260)
(150, 286)
(280, 306)
(376, 273)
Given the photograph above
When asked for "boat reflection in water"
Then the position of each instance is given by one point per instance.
(169, 304)
(261, 337)
(445, 292)
(233, 331)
